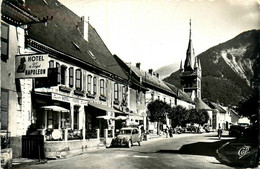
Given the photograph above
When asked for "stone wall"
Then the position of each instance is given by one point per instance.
(62, 149)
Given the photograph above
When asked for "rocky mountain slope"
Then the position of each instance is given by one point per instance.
(228, 69)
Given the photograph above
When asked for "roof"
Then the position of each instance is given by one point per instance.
(217, 107)
(200, 105)
(151, 80)
(63, 33)
(179, 93)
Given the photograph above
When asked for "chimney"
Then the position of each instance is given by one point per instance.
(83, 26)
(158, 75)
(138, 65)
(150, 71)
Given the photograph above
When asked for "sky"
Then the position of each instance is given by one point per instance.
(156, 32)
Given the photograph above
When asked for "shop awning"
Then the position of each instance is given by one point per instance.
(105, 117)
(103, 107)
(121, 118)
(55, 108)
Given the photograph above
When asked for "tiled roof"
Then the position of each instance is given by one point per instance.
(216, 106)
(201, 105)
(63, 34)
(179, 93)
(151, 80)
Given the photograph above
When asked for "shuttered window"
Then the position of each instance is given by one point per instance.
(71, 75)
(4, 109)
(4, 42)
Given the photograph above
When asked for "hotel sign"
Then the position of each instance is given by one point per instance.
(31, 66)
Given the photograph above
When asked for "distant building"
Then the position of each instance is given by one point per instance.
(190, 74)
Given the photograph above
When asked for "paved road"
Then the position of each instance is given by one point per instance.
(185, 151)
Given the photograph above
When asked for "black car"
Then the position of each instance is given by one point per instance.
(236, 130)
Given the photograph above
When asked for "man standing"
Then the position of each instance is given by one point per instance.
(219, 133)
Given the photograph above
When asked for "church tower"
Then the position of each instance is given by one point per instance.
(190, 74)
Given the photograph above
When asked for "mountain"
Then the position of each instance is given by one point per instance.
(228, 69)
(167, 70)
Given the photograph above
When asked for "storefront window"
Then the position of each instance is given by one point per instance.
(76, 117)
(52, 120)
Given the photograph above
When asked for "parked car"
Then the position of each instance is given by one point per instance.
(207, 128)
(127, 137)
(241, 152)
(236, 130)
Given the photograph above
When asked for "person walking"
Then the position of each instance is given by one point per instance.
(219, 133)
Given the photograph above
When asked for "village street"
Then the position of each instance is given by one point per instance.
(181, 151)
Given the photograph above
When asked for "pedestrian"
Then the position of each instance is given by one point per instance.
(219, 133)
(170, 132)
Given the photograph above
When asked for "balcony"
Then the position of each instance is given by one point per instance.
(103, 98)
(64, 89)
(89, 95)
(79, 92)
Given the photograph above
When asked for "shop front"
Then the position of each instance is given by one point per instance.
(61, 121)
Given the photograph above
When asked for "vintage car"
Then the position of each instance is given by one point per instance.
(127, 137)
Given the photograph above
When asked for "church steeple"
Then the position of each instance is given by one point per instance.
(191, 75)
(190, 55)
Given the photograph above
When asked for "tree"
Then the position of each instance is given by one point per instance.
(248, 107)
(158, 109)
(203, 117)
(178, 115)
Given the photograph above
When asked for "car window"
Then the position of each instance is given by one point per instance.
(125, 131)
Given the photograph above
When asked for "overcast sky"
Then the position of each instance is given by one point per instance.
(156, 32)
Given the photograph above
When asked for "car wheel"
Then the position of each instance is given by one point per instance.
(129, 143)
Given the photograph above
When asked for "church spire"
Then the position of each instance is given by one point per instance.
(190, 55)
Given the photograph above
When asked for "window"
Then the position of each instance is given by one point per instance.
(89, 80)
(152, 96)
(102, 87)
(158, 97)
(71, 75)
(95, 85)
(170, 102)
(51, 64)
(4, 109)
(4, 42)
(63, 75)
(78, 79)
(58, 73)
(76, 117)
(124, 93)
(52, 120)
(164, 99)
(116, 91)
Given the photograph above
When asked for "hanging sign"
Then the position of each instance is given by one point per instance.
(31, 66)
